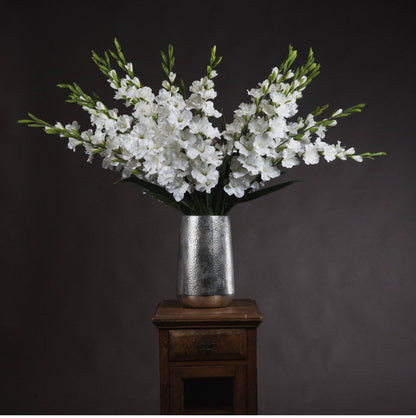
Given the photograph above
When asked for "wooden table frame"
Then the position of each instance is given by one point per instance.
(204, 344)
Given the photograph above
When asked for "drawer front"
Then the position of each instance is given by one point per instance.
(207, 344)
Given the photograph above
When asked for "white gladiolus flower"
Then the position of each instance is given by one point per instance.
(73, 143)
(256, 93)
(311, 155)
(289, 158)
(195, 101)
(236, 187)
(123, 123)
(258, 126)
(263, 143)
(320, 132)
(209, 110)
(178, 189)
(330, 152)
(173, 143)
(278, 127)
(269, 171)
(74, 126)
(245, 109)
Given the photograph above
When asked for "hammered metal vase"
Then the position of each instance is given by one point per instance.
(206, 274)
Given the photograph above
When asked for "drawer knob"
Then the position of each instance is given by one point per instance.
(207, 345)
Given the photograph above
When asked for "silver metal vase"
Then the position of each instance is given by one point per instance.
(206, 274)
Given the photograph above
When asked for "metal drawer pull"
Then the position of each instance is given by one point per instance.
(207, 345)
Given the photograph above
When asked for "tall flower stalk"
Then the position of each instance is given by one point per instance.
(168, 143)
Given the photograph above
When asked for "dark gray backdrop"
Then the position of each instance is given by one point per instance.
(330, 260)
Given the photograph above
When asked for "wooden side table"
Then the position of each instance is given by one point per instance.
(208, 358)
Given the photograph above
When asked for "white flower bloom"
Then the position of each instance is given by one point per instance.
(186, 139)
(320, 133)
(98, 137)
(112, 142)
(340, 151)
(294, 146)
(278, 127)
(89, 150)
(124, 123)
(74, 126)
(311, 155)
(112, 113)
(253, 163)
(292, 128)
(245, 109)
(209, 94)
(289, 159)
(258, 125)
(128, 168)
(287, 110)
(178, 189)
(263, 143)
(153, 163)
(73, 143)
(209, 110)
(236, 126)
(201, 125)
(267, 108)
(205, 175)
(278, 98)
(256, 93)
(206, 152)
(195, 101)
(309, 122)
(197, 87)
(330, 152)
(275, 71)
(237, 170)
(289, 74)
(163, 96)
(100, 106)
(235, 187)
(244, 145)
(181, 119)
(269, 171)
(175, 143)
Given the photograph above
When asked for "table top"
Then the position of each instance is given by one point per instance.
(241, 312)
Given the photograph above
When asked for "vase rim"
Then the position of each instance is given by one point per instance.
(205, 216)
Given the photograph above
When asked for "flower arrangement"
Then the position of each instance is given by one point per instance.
(169, 146)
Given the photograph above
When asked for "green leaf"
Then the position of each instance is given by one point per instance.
(158, 193)
(165, 69)
(164, 58)
(259, 193)
(370, 155)
(219, 195)
(183, 88)
(213, 51)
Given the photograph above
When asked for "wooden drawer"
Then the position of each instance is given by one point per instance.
(207, 344)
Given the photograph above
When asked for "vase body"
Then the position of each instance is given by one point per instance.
(205, 273)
